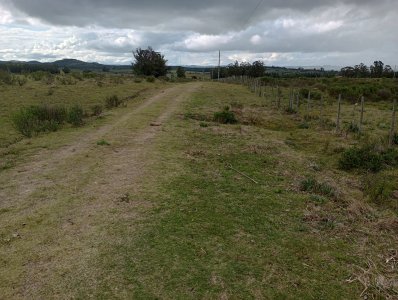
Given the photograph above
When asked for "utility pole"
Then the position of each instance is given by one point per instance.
(219, 63)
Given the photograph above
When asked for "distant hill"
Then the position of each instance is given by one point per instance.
(73, 64)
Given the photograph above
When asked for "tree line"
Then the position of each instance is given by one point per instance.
(377, 70)
(21, 68)
(255, 69)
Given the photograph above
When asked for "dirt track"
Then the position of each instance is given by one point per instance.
(55, 202)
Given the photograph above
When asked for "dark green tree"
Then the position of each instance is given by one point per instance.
(257, 69)
(180, 72)
(388, 72)
(376, 70)
(362, 71)
(149, 63)
(348, 72)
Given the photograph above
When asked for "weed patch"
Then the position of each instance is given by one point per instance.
(34, 119)
(112, 101)
(368, 158)
(225, 117)
(103, 143)
(380, 188)
(75, 115)
(96, 110)
(311, 185)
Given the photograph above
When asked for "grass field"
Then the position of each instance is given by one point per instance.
(190, 208)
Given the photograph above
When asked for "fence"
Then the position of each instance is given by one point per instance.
(294, 103)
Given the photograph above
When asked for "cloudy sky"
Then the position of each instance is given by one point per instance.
(279, 32)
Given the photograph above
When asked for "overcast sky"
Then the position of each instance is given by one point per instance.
(279, 32)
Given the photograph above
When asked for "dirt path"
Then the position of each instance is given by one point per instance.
(55, 205)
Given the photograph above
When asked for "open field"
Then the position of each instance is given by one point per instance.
(191, 208)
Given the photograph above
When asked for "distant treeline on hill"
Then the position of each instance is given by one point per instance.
(258, 69)
(377, 70)
(55, 67)
(20, 67)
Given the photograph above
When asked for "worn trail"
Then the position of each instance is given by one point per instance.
(54, 209)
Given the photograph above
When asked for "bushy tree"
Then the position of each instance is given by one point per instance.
(149, 63)
(377, 69)
(257, 69)
(361, 70)
(388, 72)
(180, 72)
(348, 72)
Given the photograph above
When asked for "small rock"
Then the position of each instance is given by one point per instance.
(16, 235)
(395, 194)
(156, 124)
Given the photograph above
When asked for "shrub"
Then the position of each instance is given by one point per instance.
(303, 125)
(225, 117)
(137, 80)
(34, 119)
(384, 94)
(395, 139)
(25, 122)
(96, 110)
(311, 185)
(66, 80)
(112, 101)
(352, 127)
(365, 158)
(150, 79)
(103, 143)
(303, 92)
(379, 188)
(75, 115)
(368, 158)
(6, 77)
(21, 80)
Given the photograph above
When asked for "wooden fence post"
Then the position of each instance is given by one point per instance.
(309, 102)
(338, 115)
(392, 130)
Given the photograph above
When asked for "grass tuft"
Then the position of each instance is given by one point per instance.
(311, 185)
(225, 117)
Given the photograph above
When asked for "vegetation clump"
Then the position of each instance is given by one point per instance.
(40, 118)
(96, 110)
(112, 101)
(368, 158)
(352, 127)
(311, 185)
(380, 189)
(225, 117)
(150, 79)
(181, 72)
(103, 143)
(75, 115)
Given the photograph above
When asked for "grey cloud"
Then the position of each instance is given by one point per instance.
(207, 16)
(278, 30)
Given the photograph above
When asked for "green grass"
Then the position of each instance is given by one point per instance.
(85, 93)
(191, 227)
(213, 233)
